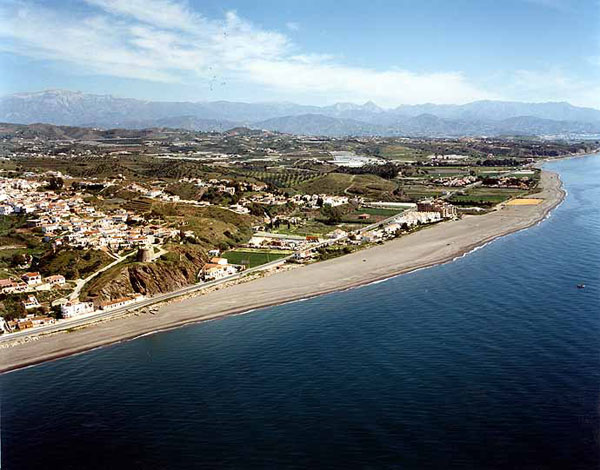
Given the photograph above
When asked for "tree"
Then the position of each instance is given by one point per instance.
(333, 214)
(18, 260)
(13, 308)
(55, 183)
(256, 209)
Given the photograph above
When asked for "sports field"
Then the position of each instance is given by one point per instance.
(524, 202)
(252, 258)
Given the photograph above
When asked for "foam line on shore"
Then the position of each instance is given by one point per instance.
(52, 349)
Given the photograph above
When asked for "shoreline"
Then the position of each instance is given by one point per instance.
(436, 245)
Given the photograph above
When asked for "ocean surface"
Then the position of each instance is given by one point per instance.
(489, 362)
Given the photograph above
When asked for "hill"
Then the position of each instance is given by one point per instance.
(66, 108)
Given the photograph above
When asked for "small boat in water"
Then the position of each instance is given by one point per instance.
(580, 286)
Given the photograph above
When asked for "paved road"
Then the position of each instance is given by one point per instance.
(83, 282)
(66, 324)
(63, 325)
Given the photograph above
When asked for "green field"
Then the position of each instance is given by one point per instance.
(400, 152)
(485, 196)
(416, 192)
(331, 183)
(283, 178)
(308, 227)
(379, 211)
(14, 241)
(253, 258)
(377, 214)
(368, 186)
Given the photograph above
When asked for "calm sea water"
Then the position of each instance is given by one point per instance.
(489, 362)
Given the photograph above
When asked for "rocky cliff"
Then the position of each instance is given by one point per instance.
(177, 269)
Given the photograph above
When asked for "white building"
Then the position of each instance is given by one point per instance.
(32, 279)
(56, 280)
(31, 302)
(75, 308)
(6, 210)
(122, 302)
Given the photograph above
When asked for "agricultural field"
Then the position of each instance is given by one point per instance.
(282, 179)
(377, 211)
(487, 197)
(375, 215)
(365, 185)
(331, 183)
(492, 172)
(309, 227)
(252, 258)
(415, 192)
(445, 172)
(402, 153)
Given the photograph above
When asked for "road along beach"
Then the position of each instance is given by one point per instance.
(440, 243)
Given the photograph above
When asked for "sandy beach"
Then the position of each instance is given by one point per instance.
(437, 244)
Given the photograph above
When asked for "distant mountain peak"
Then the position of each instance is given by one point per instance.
(371, 106)
(75, 108)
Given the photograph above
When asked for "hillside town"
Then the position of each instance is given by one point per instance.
(65, 219)
(104, 224)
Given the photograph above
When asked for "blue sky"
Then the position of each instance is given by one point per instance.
(313, 52)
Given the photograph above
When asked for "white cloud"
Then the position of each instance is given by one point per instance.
(166, 41)
(292, 26)
(160, 13)
(553, 84)
(355, 84)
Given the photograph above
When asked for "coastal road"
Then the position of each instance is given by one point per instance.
(148, 302)
(423, 248)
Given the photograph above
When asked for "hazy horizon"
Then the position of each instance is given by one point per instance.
(258, 102)
(396, 53)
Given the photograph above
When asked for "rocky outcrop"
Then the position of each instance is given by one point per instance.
(178, 269)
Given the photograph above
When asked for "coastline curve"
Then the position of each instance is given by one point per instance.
(440, 244)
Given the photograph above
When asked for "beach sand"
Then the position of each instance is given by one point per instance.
(437, 244)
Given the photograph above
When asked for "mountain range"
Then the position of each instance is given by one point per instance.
(62, 107)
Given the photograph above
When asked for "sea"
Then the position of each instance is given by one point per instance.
(491, 361)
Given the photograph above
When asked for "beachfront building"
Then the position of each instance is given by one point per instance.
(121, 302)
(372, 236)
(214, 271)
(75, 308)
(392, 229)
(41, 320)
(445, 209)
(411, 219)
(4, 328)
(30, 321)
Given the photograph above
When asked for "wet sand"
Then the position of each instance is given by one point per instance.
(434, 245)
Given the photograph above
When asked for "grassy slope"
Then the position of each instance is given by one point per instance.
(369, 186)
(73, 263)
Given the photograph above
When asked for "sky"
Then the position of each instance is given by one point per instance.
(311, 52)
